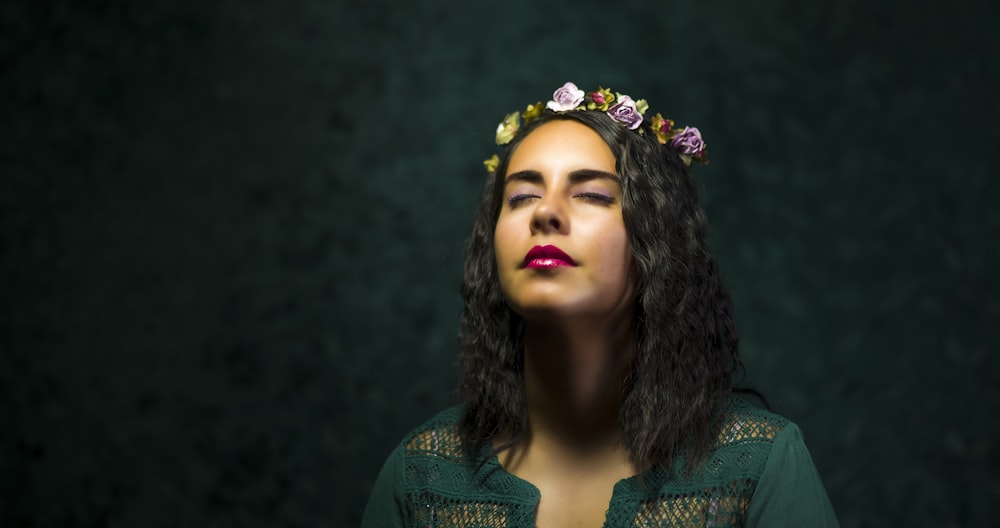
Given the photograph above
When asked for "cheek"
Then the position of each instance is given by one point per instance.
(616, 257)
(623, 262)
(509, 236)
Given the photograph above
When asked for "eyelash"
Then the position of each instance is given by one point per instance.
(599, 198)
(515, 200)
(596, 197)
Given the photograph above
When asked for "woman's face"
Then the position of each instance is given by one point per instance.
(560, 241)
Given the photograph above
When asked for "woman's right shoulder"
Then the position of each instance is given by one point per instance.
(438, 437)
(424, 452)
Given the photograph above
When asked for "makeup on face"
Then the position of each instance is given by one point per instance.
(594, 186)
(560, 241)
(547, 257)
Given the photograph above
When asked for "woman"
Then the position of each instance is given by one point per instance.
(597, 349)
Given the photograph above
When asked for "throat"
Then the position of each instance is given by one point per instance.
(574, 386)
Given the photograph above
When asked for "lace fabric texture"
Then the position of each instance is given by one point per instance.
(446, 488)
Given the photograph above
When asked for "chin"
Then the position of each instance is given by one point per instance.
(554, 306)
(542, 312)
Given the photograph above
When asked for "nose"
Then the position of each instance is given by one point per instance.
(549, 216)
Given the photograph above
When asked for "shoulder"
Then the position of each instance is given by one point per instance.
(430, 451)
(439, 481)
(745, 437)
(743, 423)
(769, 451)
(749, 477)
(437, 437)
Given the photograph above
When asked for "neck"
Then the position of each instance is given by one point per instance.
(574, 380)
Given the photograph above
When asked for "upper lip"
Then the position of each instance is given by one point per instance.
(548, 252)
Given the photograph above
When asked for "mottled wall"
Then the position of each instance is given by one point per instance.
(231, 235)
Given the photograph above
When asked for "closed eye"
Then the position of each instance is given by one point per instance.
(595, 197)
(518, 199)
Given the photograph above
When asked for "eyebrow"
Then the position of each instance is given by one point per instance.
(577, 176)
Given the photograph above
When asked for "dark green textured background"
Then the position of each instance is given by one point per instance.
(231, 235)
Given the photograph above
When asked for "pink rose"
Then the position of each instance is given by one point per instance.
(597, 98)
(688, 141)
(624, 111)
(566, 98)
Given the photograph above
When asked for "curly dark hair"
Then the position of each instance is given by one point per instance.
(687, 343)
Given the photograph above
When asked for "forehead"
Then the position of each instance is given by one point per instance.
(562, 146)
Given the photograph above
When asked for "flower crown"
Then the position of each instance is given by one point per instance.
(621, 108)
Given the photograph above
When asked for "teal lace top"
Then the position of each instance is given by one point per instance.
(759, 473)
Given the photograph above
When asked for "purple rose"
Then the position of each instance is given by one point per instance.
(566, 98)
(624, 111)
(688, 141)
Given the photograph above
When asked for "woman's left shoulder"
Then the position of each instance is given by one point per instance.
(769, 450)
(757, 473)
(747, 436)
(742, 423)
(759, 457)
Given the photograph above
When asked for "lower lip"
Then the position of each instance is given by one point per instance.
(546, 263)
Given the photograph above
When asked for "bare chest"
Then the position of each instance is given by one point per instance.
(572, 506)
(573, 499)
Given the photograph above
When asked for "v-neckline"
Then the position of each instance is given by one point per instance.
(624, 491)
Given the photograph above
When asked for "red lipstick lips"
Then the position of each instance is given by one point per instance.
(547, 257)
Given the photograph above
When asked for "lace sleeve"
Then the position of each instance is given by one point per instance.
(790, 492)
